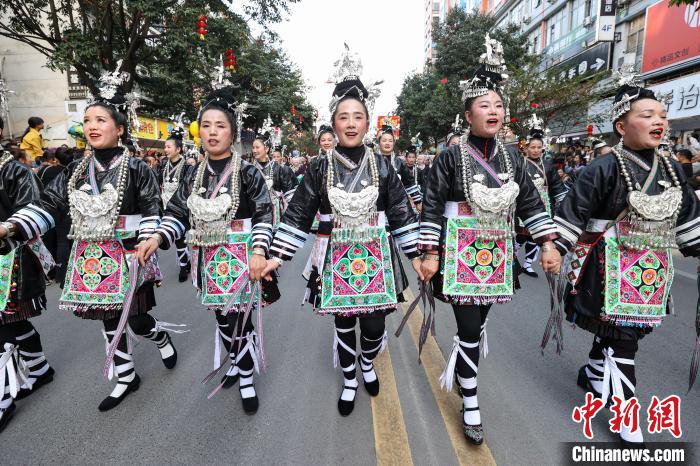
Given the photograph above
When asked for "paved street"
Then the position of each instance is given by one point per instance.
(526, 399)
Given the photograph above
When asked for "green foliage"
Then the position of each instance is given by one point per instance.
(430, 100)
(157, 40)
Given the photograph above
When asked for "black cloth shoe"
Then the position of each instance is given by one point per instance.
(43, 379)
(250, 405)
(371, 387)
(530, 273)
(345, 407)
(184, 273)
(6, 415)
(170, 361)
(473, 433)
(110, 402)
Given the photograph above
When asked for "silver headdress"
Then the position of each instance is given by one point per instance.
(535, 128)
(457, 125)
(346, 78)
(4, 93)
(110, 83)
(490, 75)
(178, 130)
(349, 64)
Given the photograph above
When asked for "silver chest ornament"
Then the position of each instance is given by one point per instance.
(169, 189)
(538, 181)
(210, 218)
(92, 213)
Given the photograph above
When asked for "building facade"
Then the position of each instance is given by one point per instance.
(575, 35)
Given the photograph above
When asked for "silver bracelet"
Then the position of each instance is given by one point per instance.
(278, 260)
(10, 227)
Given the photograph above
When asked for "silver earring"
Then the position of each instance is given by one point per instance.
(467, 131)
(119, 142)
(622, 140)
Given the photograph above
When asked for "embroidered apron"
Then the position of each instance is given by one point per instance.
(358, 277)
(97, 276)
(637, 282)
(224, 267)
(472, 267)
(6, 264)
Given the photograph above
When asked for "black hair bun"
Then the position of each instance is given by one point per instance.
(177, 133)
(351, 86)
(536, 133)
(485, 78)
(224, 98)
(632, 91)
(387, 129)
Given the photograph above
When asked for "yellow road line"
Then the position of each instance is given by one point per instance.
(449, 404)
(390, 436)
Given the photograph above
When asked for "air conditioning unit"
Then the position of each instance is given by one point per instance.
(527, 20)
(588, 21)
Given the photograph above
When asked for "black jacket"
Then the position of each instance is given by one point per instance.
(444, 183)
(19, 187)
(283, 178)
(254, 204)
(555, 187)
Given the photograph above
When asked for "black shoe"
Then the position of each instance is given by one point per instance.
(632, 445)
(170, 361)
(345, 407)
(250, 405)
(473, 433)
(530, 273)
(371, 387)
(110, 402)
(43, 379)
(184, 273)
(6, 415)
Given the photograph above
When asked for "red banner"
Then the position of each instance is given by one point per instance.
(393, 120)
(671, 35)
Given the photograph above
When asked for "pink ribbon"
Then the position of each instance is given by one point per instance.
(475, 155)
(128, 299)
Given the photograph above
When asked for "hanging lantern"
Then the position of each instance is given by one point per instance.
(230, 60)
(534, 105)
(589, 130)
(202, 27)
(294, 110)
(301, 119)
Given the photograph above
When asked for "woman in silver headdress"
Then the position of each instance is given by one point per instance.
(115, 205)
(169, 176)
(224, 206)
(621, 219)
(474, 192)
(548, 183)
(23, 366)
(355, 273)
(278, 176)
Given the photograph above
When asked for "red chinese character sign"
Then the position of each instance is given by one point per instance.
(393, 120)
(663, 48)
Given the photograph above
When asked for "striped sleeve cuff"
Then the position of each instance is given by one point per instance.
(31, 222)
(148, 226)
(568, 233)
(541, 227)
(170, 229)
(287, 241)
(262, 235)
(688, 237)
(429, 236)
(8, 245)
(289, 194)
(560, 197)
(415, 193)
(407, 238)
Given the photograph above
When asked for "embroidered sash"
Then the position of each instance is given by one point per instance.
(225, 268)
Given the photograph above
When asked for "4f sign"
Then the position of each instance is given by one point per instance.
(605, 23)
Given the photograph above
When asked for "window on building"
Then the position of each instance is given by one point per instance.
(578, 14)
(72, 108)
(558, 28)
(635, 39)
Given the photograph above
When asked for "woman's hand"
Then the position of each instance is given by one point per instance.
(429, 266)
(145, 249)
(256, 267)
(416, 263)
(551, 259)
(3, 232)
